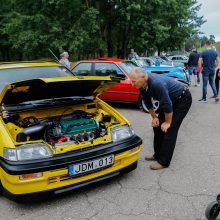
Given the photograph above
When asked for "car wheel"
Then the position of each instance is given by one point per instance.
(144, 108)
(212, 211)
(218, 198)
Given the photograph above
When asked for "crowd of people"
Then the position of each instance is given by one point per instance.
(204, 64)
(199, 65)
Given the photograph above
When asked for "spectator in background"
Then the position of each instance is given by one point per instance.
(207, 62)
(157, 62)
(193, 66)
(217, 78)
(64, 59)
(133, 55)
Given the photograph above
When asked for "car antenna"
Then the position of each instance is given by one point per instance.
(58, 61)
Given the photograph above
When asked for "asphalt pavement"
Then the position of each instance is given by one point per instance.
(180, 192)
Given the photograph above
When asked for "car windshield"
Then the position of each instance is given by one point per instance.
(25, 73)
(157, 58)
(166, 58)
(142, 62)
(128, 66)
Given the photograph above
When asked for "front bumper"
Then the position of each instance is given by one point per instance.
(55, 176)
(39, 196)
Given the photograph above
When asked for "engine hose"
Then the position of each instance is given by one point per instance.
(22, 136)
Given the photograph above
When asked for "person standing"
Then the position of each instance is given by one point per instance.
(207, 62)
(175, 101)
(133, 55)
(217, 78)
(64, 59)
(193, 65)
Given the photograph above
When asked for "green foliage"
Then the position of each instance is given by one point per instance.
(93, 28)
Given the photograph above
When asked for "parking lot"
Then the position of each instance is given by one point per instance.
(180, 192)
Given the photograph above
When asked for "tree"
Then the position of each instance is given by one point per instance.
(92, 28)
(212, 38)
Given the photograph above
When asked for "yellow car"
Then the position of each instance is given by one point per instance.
(57, 136)
(18, 71)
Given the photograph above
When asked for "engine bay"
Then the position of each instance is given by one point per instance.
(73, 127)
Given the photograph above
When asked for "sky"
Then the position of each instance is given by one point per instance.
(210, 9)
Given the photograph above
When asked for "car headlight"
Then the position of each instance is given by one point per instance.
(27, 152)
(121, 132)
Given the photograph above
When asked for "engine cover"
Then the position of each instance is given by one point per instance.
(70, 126)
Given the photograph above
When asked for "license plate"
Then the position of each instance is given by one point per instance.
(92, 165)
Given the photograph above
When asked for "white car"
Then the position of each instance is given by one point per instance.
(167, 62)
(179, 58)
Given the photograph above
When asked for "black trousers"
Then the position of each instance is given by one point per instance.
(164, 143)
(217, 78)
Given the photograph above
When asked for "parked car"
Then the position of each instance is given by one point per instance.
(165, 58)
(176, 73)
(145, 61)
(57, 136)
(167, 62)
(149, 61)
(180, 58)
(123, 92)
(18, 71)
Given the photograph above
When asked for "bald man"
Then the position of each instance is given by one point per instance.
(175, 101)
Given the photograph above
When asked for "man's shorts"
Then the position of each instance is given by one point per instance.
(193, 70)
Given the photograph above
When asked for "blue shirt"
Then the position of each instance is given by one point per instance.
(208, 56)
(193, 59)
(163, 89)
(131, 56)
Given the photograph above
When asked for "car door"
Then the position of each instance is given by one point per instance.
(119, 92)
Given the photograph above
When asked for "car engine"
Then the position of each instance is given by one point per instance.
(77, 127)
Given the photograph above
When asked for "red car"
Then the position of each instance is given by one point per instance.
(121, 92)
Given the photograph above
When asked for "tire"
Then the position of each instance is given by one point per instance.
(144, 108)
(212, 211)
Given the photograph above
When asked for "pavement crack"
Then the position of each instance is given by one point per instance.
(120, 186)
(87, 198)
(141, 213)
(161, 188)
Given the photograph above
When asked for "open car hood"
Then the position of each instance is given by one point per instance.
(48, 88)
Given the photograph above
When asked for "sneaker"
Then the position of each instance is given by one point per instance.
(195, 85)
(216, 99)
(198, 84)
(202, 100)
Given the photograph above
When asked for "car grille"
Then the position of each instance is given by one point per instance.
(65, 177)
